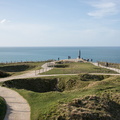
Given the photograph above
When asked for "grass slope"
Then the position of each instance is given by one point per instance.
(77, 68)
(2, 108)
(45, 106)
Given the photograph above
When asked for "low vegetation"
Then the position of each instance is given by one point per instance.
(89, 108)
(74, 97)
(80, 97)
(2, 108)
(20, 67)
(77, 68)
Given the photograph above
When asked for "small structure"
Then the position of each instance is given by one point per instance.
(106, 64)
(79, 54)
(69, 57)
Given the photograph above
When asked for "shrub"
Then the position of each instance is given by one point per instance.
(3, 108)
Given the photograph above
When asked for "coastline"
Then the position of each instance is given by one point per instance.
(25, 54)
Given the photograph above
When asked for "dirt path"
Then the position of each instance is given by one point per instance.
(17, 106)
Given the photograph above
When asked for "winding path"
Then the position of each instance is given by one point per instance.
(17, 106)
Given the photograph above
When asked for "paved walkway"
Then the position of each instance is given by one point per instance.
(30, 74)
(114, 69)
(18, 109)
(17, 106)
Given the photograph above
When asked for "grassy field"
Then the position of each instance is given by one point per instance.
(46, 106)
(77, 68)
(71, 97)
(20, 68)
(2, 108)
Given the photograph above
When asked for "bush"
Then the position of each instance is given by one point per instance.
(3, 108)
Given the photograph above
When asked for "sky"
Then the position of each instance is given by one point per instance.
(34, 23)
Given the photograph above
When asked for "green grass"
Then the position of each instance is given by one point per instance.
(20, 68)
(77, 68)
(2, 108)
(44, 105)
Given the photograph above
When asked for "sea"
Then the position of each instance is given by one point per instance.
(24, 54)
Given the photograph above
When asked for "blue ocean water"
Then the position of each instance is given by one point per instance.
(17, 54)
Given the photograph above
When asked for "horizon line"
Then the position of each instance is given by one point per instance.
(59, 46)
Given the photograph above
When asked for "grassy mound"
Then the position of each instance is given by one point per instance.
(80, 99)
(77, 82)
(89, 108)
(3, 74)
(2, 108)
(53, 84)
(77, 68)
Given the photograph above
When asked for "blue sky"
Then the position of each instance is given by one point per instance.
(59, 23)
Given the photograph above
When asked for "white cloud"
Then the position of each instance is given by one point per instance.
(103, 9)
(4, 21)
